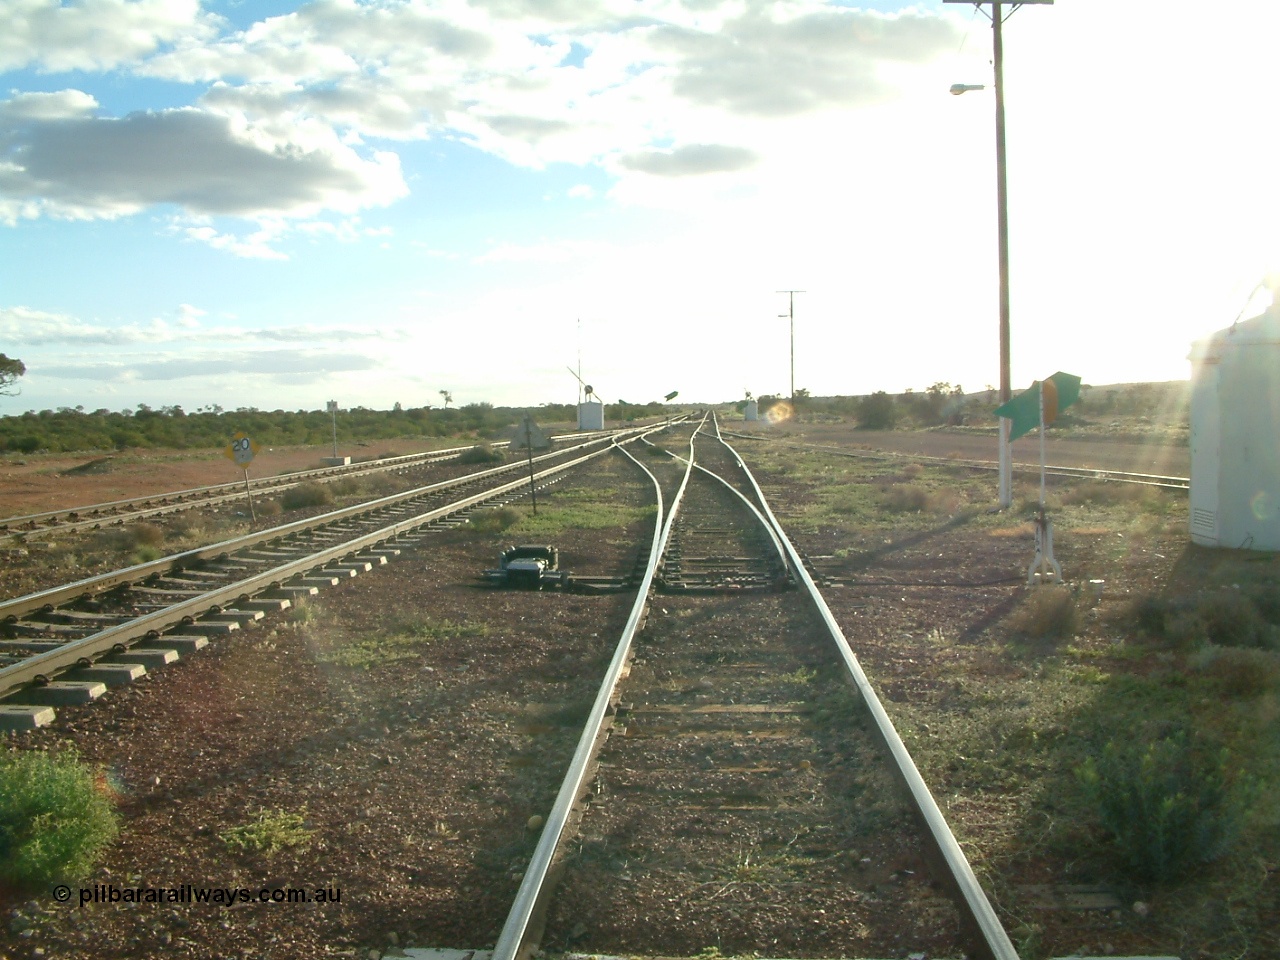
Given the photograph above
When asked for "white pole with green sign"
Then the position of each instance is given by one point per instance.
(1041, 405)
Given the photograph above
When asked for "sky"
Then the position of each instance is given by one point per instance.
(272, 203)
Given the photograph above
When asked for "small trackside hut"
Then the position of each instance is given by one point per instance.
(1235, 459)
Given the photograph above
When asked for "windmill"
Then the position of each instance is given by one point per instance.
(586, 389)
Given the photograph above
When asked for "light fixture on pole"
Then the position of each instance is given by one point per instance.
(1002, 226)
(791, 314)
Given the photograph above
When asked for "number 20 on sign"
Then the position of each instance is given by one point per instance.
(241, 450)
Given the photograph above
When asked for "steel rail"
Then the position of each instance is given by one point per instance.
(56, 596)
(977, 907)
(101, 513)
(764, 523)
(1087, 473)
(530, 896)
(42, 666)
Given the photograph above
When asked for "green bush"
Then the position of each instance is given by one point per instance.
(481, 453)
(877, 412)
(494, 519)
(306, 495)
(54, 819)
(1164, 806)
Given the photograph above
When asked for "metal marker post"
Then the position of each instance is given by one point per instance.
(528, 439)
(253, 515)
(1044, 560)
(1042, 455)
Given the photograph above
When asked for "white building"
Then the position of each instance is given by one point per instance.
(1235, 419)
(591, 415)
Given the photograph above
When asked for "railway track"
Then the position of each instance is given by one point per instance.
(729, 780)
(117, 512)
(65, 645)
(1080, 473)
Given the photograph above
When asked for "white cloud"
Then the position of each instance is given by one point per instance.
(47, 107)
(85, 167)
(94, 34)
(690, 160)
(285, 366)
(25, 327)
(189, 316)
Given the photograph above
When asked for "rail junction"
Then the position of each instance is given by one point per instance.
(692, 732)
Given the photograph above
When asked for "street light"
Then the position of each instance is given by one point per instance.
(1002, 228)
(791, 313)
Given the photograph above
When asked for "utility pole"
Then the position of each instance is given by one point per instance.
(791, 313)
(1002, 232)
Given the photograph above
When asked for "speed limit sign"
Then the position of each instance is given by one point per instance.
(241, 450)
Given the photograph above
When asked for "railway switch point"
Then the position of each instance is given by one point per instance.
(61, 693)
(112, 674)
(20, 716)
(528, 566)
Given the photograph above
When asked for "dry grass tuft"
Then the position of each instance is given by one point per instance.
(1239, 673)
(912, 498)
(1048, 613)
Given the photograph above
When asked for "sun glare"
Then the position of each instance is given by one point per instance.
(780, 412)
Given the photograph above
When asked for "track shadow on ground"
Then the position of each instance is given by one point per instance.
(869, 558)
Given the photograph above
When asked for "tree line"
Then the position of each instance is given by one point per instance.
(68, 429)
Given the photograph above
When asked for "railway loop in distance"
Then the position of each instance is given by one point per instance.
(65, 645)
(117, 512)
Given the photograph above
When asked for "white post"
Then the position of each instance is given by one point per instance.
(1042, 458)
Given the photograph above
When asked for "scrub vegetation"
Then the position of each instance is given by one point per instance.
(56, 818)
(404, 640)
(270, 832)
(1121, 734)
(70, 429)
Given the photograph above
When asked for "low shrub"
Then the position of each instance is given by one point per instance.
(147, 535)
(1048, 613)
(494, 519)
(1239, 673)
(1164, 806)
(1232, 620)
(54, 819)
(306, 495)
(482, 453)
(911, 498)
(906, 499)
(346, 487)
(268, 508)
(271, 832)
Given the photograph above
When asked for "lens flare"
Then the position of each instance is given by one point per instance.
(1263, 505)
(780, 412)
